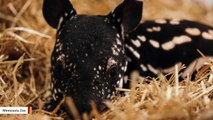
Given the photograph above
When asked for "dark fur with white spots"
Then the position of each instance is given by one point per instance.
(89, 56)
(196, 35)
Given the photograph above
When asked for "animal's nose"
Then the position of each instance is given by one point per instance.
(87, 107)
(83, 107)
(84, 104)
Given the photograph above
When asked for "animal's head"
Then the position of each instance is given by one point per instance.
(89, 58)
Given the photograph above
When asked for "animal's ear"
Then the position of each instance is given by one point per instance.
(54, 10)
(128, 14)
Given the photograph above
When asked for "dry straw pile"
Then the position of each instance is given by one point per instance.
(26, 42)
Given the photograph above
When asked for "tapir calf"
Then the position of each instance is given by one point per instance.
(93, 53)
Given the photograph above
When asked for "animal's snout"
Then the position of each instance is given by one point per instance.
(85, 103)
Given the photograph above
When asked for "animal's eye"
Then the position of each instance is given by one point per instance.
(113, 71)
(58, 70)
(59, 65)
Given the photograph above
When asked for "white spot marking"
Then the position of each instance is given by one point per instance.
(181, 39)
(210, 32)
(61, 58)
(137, 43)
(121, 83)
(149, 30)
(193, 31)
(160, 21)
(99, 67)
(54, 96)
(135, 53)
(142, 38)
(168, 45)
(118, 35)
(57, 40)
(71, 11)
(122, 68)
(152, 69)
(125, 79)
(114, 52)
(55, 91)
(207, 36)
(143, 67)
(65, 14)
(119, 76)
(156, 29)
(125, 68)
(59, 24)
(118, 41)
(175, 22)
(154, 43)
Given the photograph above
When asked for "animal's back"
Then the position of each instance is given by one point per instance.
(157, 45)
